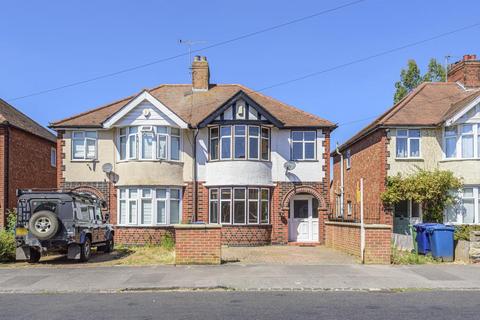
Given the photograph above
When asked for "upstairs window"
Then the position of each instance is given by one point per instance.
(450, 137)
(462, 141)
(408, 143)
(53, 157)
(239, 142)
(348, 159)
(149, 143)
(84, 145)
(304, 145)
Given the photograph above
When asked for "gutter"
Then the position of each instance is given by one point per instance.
(341, 181)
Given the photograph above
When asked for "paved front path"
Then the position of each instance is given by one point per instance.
(240, 277)
(286, 255)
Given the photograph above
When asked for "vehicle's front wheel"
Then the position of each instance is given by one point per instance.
(86, 250)
(35, 256)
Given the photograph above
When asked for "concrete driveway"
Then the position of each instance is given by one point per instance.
(286, 255)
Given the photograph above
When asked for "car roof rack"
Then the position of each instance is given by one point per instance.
(86, 195)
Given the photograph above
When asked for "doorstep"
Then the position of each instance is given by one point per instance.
(304, 244)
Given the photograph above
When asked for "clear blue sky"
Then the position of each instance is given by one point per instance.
(50, 43)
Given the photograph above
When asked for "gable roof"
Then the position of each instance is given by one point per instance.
(195, 107)
(427, 105)
(11, 115)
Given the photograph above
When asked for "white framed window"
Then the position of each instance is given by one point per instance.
(225, 142)
(239, 142)
(348, 159)
(53, 157)
(462, 141)
(149, 143)
(149, 206)
(84, 145)
(450, 142)
(214, 144)
(467, 210)
(239, 205)
(408, 143)
(303, 145)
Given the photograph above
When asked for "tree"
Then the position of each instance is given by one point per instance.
(435, 73)
(433, 189)
(411, 77)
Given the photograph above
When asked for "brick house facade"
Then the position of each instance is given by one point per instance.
(410, 135)
(219, 155)
(25, 157)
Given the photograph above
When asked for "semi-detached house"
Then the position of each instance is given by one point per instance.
(437, 126)
(216, 153)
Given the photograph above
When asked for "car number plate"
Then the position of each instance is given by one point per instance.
(21, 231)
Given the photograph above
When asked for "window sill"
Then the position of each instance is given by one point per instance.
(313, 160)
(409, 159)
(459, 159)
(85, 160)
(145, 226)
(245, 225)
(150, 160)
(239, 160)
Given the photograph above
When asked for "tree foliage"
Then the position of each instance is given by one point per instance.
(433, 189)
(411, 77)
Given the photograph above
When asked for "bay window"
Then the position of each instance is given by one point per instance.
(408, 143)
(462, 141)
(467, 210)
(84, 145)
(239, 142)
(147, 206)
(149, 143)
(239, 205)
(303, 145)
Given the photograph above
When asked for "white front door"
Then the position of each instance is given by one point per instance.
(303, 220)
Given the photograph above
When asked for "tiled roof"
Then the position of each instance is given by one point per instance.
(427, 105)
(12, 116)
(193, 108)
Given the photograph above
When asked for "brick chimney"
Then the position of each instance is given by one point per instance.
(200, 74)
(466, 71)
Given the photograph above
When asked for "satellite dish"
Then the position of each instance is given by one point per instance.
(107, 168)
(289, 165)
(146, 113)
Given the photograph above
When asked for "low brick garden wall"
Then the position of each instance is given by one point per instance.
(198, 243)
(345, 236)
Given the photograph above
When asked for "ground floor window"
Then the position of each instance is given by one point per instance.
(149, 206)
(239, 205)
(467, 210)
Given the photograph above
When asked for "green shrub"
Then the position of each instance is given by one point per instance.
(7, 239)
(462, 232)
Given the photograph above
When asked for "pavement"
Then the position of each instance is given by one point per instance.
(448, 305)
(241, 277)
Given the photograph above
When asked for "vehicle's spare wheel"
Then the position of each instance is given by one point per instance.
(43, 224)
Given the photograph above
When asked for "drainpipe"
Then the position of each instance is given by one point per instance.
(195, 189)
(341, 180)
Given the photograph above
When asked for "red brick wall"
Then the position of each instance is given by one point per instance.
(368, 161)
(345, 237)
(28, 165)
(248, 235)
(378, 245)
(142, 235)
(198, 245)
(465, 72)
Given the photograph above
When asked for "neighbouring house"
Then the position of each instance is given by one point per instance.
(27, 156)
(435, 126)
(215, 153)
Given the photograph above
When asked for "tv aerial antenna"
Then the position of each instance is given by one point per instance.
(190, 44)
